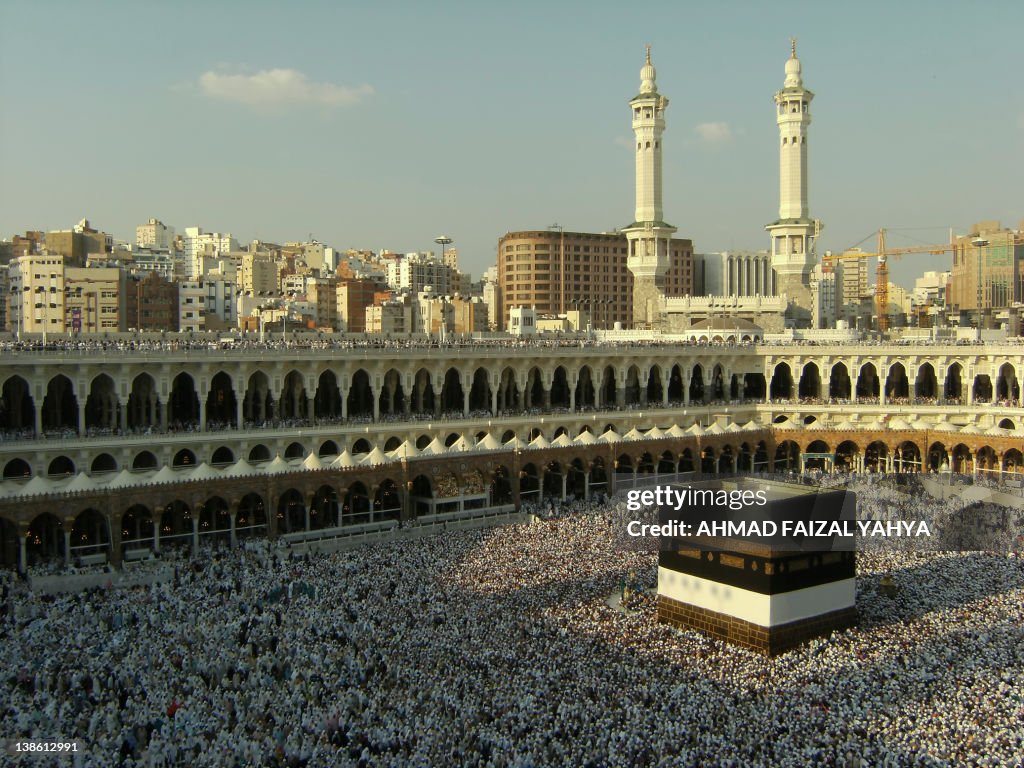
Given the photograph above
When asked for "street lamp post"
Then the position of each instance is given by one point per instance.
(561, 265)
(443, 240)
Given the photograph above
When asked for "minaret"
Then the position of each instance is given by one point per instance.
(793, 235)
(648, 236)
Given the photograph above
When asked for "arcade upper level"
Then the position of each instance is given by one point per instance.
(69, 410)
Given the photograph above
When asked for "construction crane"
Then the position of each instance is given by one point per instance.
(882, 273)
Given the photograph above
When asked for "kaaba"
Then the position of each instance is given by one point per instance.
(769, 593)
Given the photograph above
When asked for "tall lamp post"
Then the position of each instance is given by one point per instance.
(443, 240)
(561, 265)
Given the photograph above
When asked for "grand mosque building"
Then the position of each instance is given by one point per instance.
(110, 454)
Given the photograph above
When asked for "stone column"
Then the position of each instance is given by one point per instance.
(23, 554)
(67, 547)
(195, 532)
(239, 410)
(234, 535)
(202, 415)
(271, 512)
(115, 543)
(465, 402)
(39, 417)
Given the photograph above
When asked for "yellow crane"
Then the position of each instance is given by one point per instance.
(882, 273)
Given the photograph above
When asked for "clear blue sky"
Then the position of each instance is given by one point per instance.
(382, 124)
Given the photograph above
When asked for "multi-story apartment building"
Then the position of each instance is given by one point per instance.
(207, 304)
(988, 271)
(94, 300)
(36, 293)
(553, 271)
(154, 234)
(76, 244)
(416, 271)
(261, 274)
(396, 316)
(151, 303)
(322, 293)
(469, 315)
(147, 260)
(353, 297)
(198, 244)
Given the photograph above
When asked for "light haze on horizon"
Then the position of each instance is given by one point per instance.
(384, 125)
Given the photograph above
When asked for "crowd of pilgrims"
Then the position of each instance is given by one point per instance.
(501, 647)
(202, 342)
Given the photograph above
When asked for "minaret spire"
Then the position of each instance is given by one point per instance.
(793, 235)
(648, 236)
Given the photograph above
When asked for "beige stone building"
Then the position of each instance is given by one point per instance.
(261, 274)
(36, 294)
(988, 270)
(94, 300)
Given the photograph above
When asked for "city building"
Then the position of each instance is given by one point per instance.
(930, 289)
(492, 296)
(198, 244)
(987, 274)
(261, 274)
(415, 271)
(794, 233)
(824, 295)
(151, 302)
(353, 296)
(36, 293)
(207, 304)
(154, 234)
(145, 260)
(435, 313)
(395, 316)
(554, 272)
(469, 315)
(94, 300)
(522, 321)
(76, 244)
(21, 245)
(322, 293)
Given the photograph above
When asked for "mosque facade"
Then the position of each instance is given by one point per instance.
(107, 453)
